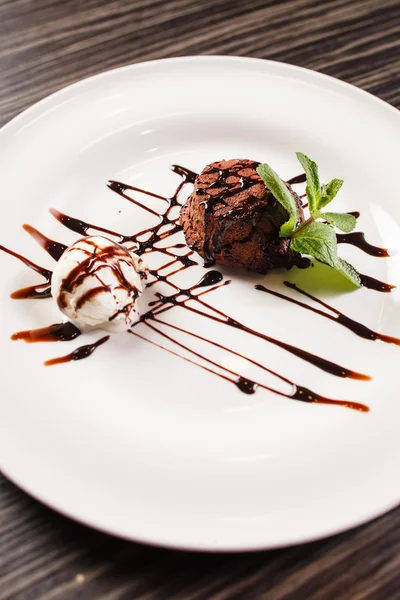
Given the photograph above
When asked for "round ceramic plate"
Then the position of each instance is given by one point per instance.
(139, 442)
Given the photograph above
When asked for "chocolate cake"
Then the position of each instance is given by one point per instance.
(232, 219)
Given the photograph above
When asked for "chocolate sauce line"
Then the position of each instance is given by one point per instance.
(55, 249)
(124, 186)
(188, 176)
(42, 290)
(209, 279)
(317, 361)
(159, 305)
(180, 269)
(354, 326)
(217, 345)
(298, 179)
(82, 227)
(159, 277)
(251, 385)
(245, 384)
(177, 246)
(78, 354)
(120, 188)
(375, 284)
(166, 248)
(313, 359)
(46, 273)
(180, 356)
(357, 238)
(59, 332)
(165, 278)
(169, 264)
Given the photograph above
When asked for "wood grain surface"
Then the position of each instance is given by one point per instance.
(47, 44)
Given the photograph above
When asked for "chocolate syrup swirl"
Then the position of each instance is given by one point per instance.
(153, 239)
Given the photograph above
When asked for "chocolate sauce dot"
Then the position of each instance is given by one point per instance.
(246, 385)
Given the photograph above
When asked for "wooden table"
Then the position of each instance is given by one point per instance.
(47, 44)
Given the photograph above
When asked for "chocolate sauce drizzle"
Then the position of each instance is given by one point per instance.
(191, 299)
(298, 179)
(59, 332)
(338, 317)
(55, 249)
(78, 354)
(42, 290)
(357, 238)
(220, 317)
(375, 284)
(244, 384)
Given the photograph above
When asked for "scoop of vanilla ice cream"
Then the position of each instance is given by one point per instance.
(97, 284)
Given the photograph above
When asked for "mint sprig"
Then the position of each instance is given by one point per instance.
(313, 188)
(329, 191)
(319, 240)
(313, 237)
(341, 221)
(280, 191)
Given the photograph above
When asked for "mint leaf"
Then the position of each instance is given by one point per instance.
(319, 240)
(342, 221)
(313, 188)
(348, 271)
(329, 191)
(281, 193)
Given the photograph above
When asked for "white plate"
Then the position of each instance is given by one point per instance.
(138, 442)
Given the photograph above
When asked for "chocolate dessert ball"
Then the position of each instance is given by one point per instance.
(231, 219)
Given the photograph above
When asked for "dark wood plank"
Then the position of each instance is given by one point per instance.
(47, 44)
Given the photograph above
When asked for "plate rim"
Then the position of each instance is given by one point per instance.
(204, 548)
(195, 58)
(286, 69)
